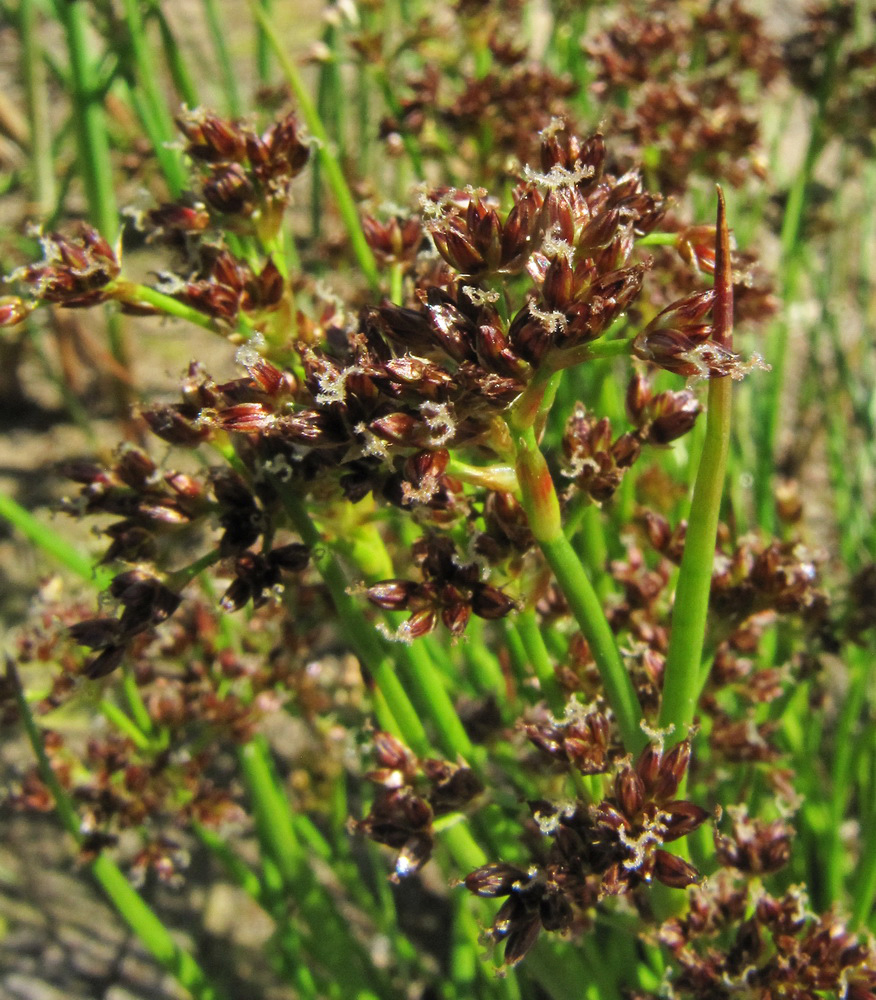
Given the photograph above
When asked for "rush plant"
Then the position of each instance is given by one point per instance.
(458, 512)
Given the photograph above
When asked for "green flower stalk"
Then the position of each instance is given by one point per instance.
(683, 673)
(542, 507)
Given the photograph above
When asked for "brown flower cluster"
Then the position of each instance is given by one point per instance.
(829, 60)
(604, 849)
(155, 508)
(451, 591)
(145, 603)
(681, 71)
(76, 271)
(730, 944)
(596, 463)
(410, 794)
(248, 175)
(511, 101)
(200, 697)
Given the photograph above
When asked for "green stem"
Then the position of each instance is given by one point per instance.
(95, 167)
(34, 74)
(227, 73)
(540, 658)
(142, 295)
(93, 152)
(270, 810)
(325, 150)
(117, 718)
(394, 710)
(176, 61)
(157, 118)
(263, 51)
(543, 511)
(682, 680)
(53, 543)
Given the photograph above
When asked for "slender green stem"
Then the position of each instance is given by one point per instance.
(114, 715)
(142, 295)
(176, 60)
(227, 72)
(52, 543)
(93, 147)
(270, 809)
(158, 120)
(263, 50)
(95, 167)
(540, 658)
(396, 714)
(792, 256)
(34, 74)
(682, 678)
(325, 150)
(233, 864)
(424, 677)
(543, 511)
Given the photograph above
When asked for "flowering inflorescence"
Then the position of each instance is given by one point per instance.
(407, 419)
(411, 793)
(734, 942)
(602, 849)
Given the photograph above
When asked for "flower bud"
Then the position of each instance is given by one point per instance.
(495, 880)
(13, 310)
(673, 871)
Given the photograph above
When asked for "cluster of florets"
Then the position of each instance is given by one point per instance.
(511, 102)
(753, 577)
(411, 793)
(247, 175)
(827, 46)
(77, 271)
(697, 122)
(603, 849)
(596, 463)
(196, 695)
(731, 943)
(451, 591)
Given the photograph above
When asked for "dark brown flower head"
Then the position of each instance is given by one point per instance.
(257, 576)
(174, 217)
(604, 849)
(560, 147)
(239, 513)
(451, 592)
(513, 102)
(730, 943)
(582, 739)
(229, 190)
(595, 463)
(663, 418)
(410, 793)
(210, 138)
(690, 115)
(507, 528)
(145, 602)
(469, 236)
(754, 846)
(249, 175)
(75, 271)
(678, 340)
